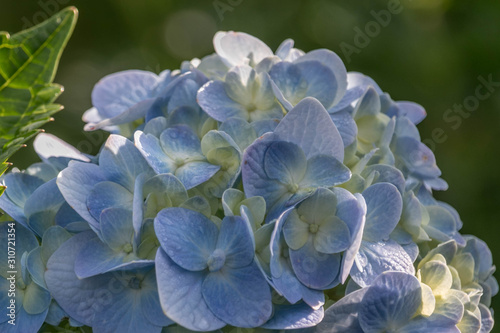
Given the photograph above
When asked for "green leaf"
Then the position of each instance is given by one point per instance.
(28, 64)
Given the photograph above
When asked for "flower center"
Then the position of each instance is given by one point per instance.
(127, 248)
(293, 188)
(313, 228)
(216, 260)
(134, 283)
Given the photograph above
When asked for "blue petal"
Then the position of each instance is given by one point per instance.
(417, 157)
(309, 126)
(368, 105)
(25, 322)
(336, 66)
(285, 162)
(75, 183)
(346, 126)
(36, 266)
(106, 302)
(304, 79)
(255, 179)
(314, 269)
(283, 277)
(121, 161)
(55, 151)
(195, 173)
(325, 171)
(413, 111)
(342, 316)
(375, 258)
(150, 148)
(52, 239)
(390, 302)
(188, 237)
(384, 207)
(116, 227)
(151, 307)
(214, 100)
(155, 126)
(294, 316)
(184, 95)
(237, 48)
(351, 209)
(387, 174)
(108, 195)
(181, 296)
(239, 296)
(25, 241)
(240, 130)
(42, 206)
(284, 48)
(117, 92)
(236, 240)
(180, 142)
(36, 299)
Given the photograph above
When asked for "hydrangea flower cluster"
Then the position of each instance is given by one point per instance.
(249, 189)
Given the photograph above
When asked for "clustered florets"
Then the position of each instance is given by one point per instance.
(247, 189)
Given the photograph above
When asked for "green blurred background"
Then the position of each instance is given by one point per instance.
(432, 52)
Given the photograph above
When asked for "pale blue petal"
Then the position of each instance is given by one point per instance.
(72, 294)
(351, 209)
(314, 269)
(181, 296)
(384, 207)
(55, 151)
(295, 231)
(284, 48)
(181, 143)
(417, 157)
(150, 301)
(195, 173)
(285, 162)
(375, 258)
(75, 183)
(155, 126)
(239, 296)
(184, 94)
(336, 66)
(169, 184)
(108, 194)
(240, 130)
(284, 280)
(121, 161)
(309, 126)
(117, 92)
(237, 242)
(342, 316)
(333, 236)
(255, 179)
(150, 148)
(25, 241)
(188, 237)
(25, 322)
(433, 324)
(325, 171)
(116, 227)
(387, 174)
(413, 111)
(36, 299)
(346, 126)
(214, 100)
(36, 266)
(368, 105)
(390, 302)
(236, 48)
(42, 206)
(294, 316)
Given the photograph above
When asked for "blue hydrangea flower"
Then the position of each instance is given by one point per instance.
(313, 246)
(207, 277)
(303, 153)
(115, 301)
(32, 299)
(244, 93)
(378, 252)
